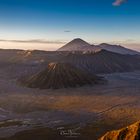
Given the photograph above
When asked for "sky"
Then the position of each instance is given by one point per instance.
(49, 24)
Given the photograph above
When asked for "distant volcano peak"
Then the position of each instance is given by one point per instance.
(79, 40)
(78, 45)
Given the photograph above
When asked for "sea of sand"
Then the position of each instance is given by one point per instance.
(93, 109)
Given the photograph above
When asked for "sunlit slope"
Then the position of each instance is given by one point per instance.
(131, 132)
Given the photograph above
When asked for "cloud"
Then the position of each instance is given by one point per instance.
(67, 31)
(130, 40)
(40, 41)
(118, 2)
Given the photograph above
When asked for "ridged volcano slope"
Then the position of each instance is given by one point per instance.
(60, 75)
(131, 132)
(103, 62)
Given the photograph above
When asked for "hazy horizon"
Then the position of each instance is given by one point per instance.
(53, 45)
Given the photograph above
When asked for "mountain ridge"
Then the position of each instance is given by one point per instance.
(117, 48)
(81, 45)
